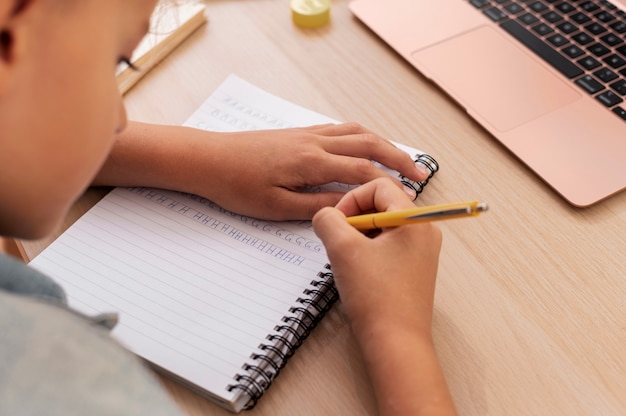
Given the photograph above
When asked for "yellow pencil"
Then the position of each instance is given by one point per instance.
(414, 215)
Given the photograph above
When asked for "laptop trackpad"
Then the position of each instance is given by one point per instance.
(494, 78)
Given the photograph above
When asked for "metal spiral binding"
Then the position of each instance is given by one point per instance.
(431, 164)
(286, 338)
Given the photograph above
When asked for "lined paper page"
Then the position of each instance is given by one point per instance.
(197, 288)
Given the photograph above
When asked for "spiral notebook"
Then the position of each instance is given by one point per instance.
(215, 300)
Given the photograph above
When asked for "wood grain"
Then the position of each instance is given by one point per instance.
(530, 314)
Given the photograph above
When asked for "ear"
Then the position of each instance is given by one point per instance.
(10, 17)
(6, 10)
(6, 42)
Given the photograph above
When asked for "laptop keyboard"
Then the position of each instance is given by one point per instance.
(582, 39)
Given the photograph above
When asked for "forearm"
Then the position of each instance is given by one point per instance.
(157, 156)
(260, 173)
(405, 372)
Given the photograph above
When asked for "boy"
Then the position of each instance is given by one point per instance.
(62, 128)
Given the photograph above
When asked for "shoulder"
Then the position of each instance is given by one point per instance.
(18, 278)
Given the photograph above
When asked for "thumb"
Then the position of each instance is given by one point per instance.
(331, 227)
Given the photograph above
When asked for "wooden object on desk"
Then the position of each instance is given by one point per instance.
(11, 247)
(530, 307)
(169, 28)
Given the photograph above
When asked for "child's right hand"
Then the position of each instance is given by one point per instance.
(387, 284)
(389, 278)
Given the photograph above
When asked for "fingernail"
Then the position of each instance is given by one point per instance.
(410, 192)
(423, 170)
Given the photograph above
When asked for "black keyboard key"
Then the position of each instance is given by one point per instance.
(567, 27)
(598, 49)
(495, 14)
(611, 39)
(622, 50)
(514, 8)
(619, 27)
(609, 98)
(479, 4)
(573, 51)
(557, 40)
(607, 4)
(580, 18)
(620, 112)
(538, 6)
(542, 29)
(589, 84)
(619, 87)
(604, 16)
(614, 61)
(595, 28)
(582, 38)
(588, 63)
(565, 8)
(589, 6)
(552, 17)
(558, 61)
(528, 19)
(605, 74)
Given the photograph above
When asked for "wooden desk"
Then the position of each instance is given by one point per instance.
(530, 315)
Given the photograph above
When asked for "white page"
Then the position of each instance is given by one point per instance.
(197, 288)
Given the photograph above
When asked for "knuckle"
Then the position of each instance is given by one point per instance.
(364, 167)
(368, 140)
(322, 215)
(352, 126)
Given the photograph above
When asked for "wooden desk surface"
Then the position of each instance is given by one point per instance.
(530, 315)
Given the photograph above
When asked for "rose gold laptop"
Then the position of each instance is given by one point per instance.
(546, 77)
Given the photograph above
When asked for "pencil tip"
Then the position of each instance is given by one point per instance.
(482, 207)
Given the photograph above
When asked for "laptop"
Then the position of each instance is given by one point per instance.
(547, 78)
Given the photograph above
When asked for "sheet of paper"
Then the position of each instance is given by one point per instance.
(197, 288)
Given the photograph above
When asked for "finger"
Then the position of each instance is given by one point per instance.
(377, 196)
(348, 170)
(340, 129)
(352, 139)
(370, 146)
(331, 227)
(361, 136)
(318, 128)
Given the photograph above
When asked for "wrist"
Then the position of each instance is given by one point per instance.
(382, 327)
(406, 354)
(168, 157)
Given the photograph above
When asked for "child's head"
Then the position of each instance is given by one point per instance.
(59, 103)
